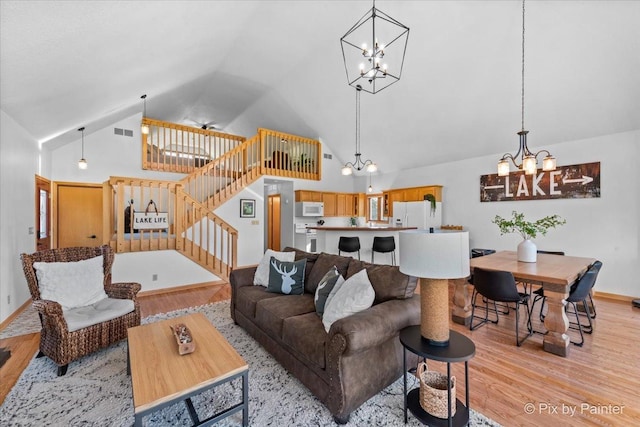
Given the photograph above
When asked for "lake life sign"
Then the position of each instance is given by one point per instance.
(566, 182)
(150, 221)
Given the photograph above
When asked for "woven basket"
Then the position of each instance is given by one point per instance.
(433, 392)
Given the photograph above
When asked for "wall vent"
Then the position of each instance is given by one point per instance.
(124, 132)
(327, 156)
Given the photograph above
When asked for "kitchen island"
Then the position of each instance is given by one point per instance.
(328, 237)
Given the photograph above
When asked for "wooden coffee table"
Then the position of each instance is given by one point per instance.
(161, 377)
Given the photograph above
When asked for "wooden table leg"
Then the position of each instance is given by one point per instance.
(556, 341)
(461, 311)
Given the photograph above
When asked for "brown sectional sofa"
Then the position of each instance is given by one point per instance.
(361, 354)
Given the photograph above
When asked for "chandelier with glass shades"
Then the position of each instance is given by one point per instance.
(373, 51)
(528, 159)
(358, 164)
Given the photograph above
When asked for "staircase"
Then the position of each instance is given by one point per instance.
(197, 232)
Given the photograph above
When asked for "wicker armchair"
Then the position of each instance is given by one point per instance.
(56, 342)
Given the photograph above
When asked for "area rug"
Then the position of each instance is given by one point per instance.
(26, 322)
(96, 391)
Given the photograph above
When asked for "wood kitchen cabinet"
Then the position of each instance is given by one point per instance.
(330, 201)
(341, 204)
(308, 196)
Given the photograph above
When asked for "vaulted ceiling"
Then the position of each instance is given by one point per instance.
(278, 64)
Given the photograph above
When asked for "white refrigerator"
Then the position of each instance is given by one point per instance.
(417, 214)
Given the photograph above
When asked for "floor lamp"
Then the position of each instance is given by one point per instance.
(434, 258)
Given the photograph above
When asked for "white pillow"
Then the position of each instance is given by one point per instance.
(262, 272)
(71, 284)
(356, 294)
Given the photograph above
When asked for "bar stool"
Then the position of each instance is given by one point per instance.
(384, 245)
(349, 244)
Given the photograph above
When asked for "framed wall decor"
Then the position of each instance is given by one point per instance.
(247, 208)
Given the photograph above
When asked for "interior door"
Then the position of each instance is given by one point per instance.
(78, 214)
(43, 213)
(274, 220)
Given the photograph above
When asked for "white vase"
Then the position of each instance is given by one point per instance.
(527, 251)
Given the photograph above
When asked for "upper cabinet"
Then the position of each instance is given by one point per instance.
(330, 204)
(308, 196)
(354, 204)
(335, 204)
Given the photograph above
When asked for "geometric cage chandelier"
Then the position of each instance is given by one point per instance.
(528, 159)
(373, 51)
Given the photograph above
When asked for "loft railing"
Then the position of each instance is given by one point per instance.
(290, 155)
(171, 147)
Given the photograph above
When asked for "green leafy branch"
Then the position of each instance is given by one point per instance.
(527, 229)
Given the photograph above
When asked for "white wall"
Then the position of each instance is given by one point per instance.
(605, 228)
(250, 230)
(19, 156)
(170, 267)
(107, 155)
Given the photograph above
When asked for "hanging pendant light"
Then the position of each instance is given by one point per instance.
(82, 163)
(358, 164)
(370, 189)
(529, 159)
(373, 51)
(144, 128)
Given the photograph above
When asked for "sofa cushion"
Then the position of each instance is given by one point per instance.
(306, 336)
(324, 289)
(262, 272)
(101, 311)
(356, 294)
(310, 257)
(322, 265)
(71, 284)
(286, 277)
(388, 282)
(271, 312)
(248, 296)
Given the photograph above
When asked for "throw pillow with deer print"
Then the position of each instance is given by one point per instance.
(286, 277)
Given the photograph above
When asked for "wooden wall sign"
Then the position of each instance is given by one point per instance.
(150, 221)
(566, 182)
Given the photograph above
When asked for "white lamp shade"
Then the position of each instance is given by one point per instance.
(434, 255)
(503, 168)
(549, 163)
(529, 165)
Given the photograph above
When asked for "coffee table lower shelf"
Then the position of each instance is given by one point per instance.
(461, 418)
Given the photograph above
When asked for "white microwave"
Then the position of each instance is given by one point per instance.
(309, 209)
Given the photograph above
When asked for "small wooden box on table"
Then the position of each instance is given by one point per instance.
(460, 349)
(161, 377)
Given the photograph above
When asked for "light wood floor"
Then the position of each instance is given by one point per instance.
(599, 382)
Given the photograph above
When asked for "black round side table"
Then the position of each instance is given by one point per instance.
(460, 349)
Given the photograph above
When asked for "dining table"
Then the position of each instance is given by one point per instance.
(555, 273)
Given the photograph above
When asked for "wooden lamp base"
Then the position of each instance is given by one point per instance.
(434, 311)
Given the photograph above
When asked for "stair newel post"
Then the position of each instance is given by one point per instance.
(179, 215)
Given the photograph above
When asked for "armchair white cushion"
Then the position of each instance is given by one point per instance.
(71, 284)
(102, 311)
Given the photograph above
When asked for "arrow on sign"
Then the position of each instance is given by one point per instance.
(584, 180)
(493, 187)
